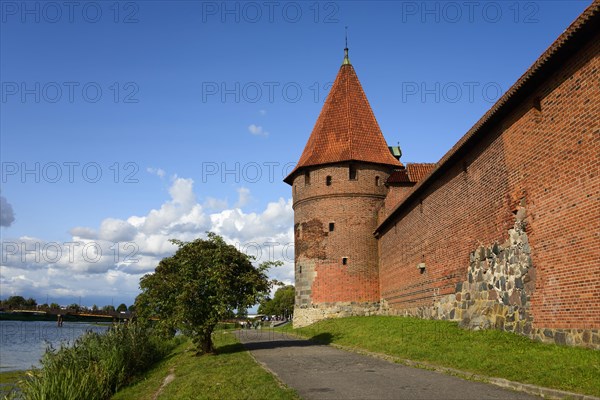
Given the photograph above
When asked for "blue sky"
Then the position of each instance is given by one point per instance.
(141, 121)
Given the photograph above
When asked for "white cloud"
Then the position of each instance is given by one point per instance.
(257, 130)
(182, 202)
(262, 112)
(156, 171)
(83, 232)
(116, 230)
(111, 259)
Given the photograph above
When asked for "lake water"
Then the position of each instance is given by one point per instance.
(22, 343)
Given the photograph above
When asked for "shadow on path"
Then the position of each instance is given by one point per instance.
(318, 371)
(270, 339)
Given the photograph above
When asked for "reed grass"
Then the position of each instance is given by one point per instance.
(96, 365)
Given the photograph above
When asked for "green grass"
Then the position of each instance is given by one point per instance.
(490, 352)
(226, 326)
(8, 382)
(231, 374)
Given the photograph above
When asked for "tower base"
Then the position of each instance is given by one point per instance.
(306, 315)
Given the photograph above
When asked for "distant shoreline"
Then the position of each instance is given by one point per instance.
(41, 316)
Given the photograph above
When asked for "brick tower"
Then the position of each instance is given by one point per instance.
(338, 188)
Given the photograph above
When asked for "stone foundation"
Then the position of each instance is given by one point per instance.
(496, 294)
(571, 337)
(306, 315)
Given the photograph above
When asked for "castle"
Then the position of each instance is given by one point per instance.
(503, 232)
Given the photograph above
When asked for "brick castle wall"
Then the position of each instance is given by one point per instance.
(539, 168)
(395, 195)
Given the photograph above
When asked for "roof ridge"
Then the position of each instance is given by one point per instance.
(350, 131)
(540, 66)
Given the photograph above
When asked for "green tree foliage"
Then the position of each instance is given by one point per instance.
(18, 301)
(14, 302)
(281, 304)
(122, 307)
(201, 284)
(30, 302)
(109, 307)
(54, 306)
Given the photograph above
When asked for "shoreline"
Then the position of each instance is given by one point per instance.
(28, 317)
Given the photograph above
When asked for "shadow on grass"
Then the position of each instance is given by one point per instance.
(268, 339)
(230, 349)
(322, 338)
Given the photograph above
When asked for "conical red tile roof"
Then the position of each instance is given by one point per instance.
(346, 129)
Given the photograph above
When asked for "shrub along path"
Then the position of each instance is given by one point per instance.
(323, 372)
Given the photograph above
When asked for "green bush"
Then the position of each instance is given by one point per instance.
(96, 365)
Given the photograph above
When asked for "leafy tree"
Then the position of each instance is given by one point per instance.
(30, 302)
(54, 306)
(281, 304)
(19, 301)
(74, 306)
(94, 308)
(229, 315)
(109, 307)
(266, 306)
(131, 308)
(122, 307)
(14, 302)
(204, 281)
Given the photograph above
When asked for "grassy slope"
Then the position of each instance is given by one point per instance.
(232, 374)
(8, 380)
(491, 352)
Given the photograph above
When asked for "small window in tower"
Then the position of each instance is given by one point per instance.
(344, 260)
(307, 178)
(352, 172)
(299, 269)
(331, 226)
(376, 181)
(328, 180)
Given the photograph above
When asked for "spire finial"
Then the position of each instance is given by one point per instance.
(346, 59)
(346, 37)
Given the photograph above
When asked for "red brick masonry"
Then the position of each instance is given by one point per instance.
(504, 231)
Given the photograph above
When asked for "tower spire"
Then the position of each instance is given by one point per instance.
(346, 59)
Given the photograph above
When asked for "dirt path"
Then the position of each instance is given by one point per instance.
(168, 379)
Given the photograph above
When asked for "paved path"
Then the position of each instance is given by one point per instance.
(325, 372)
